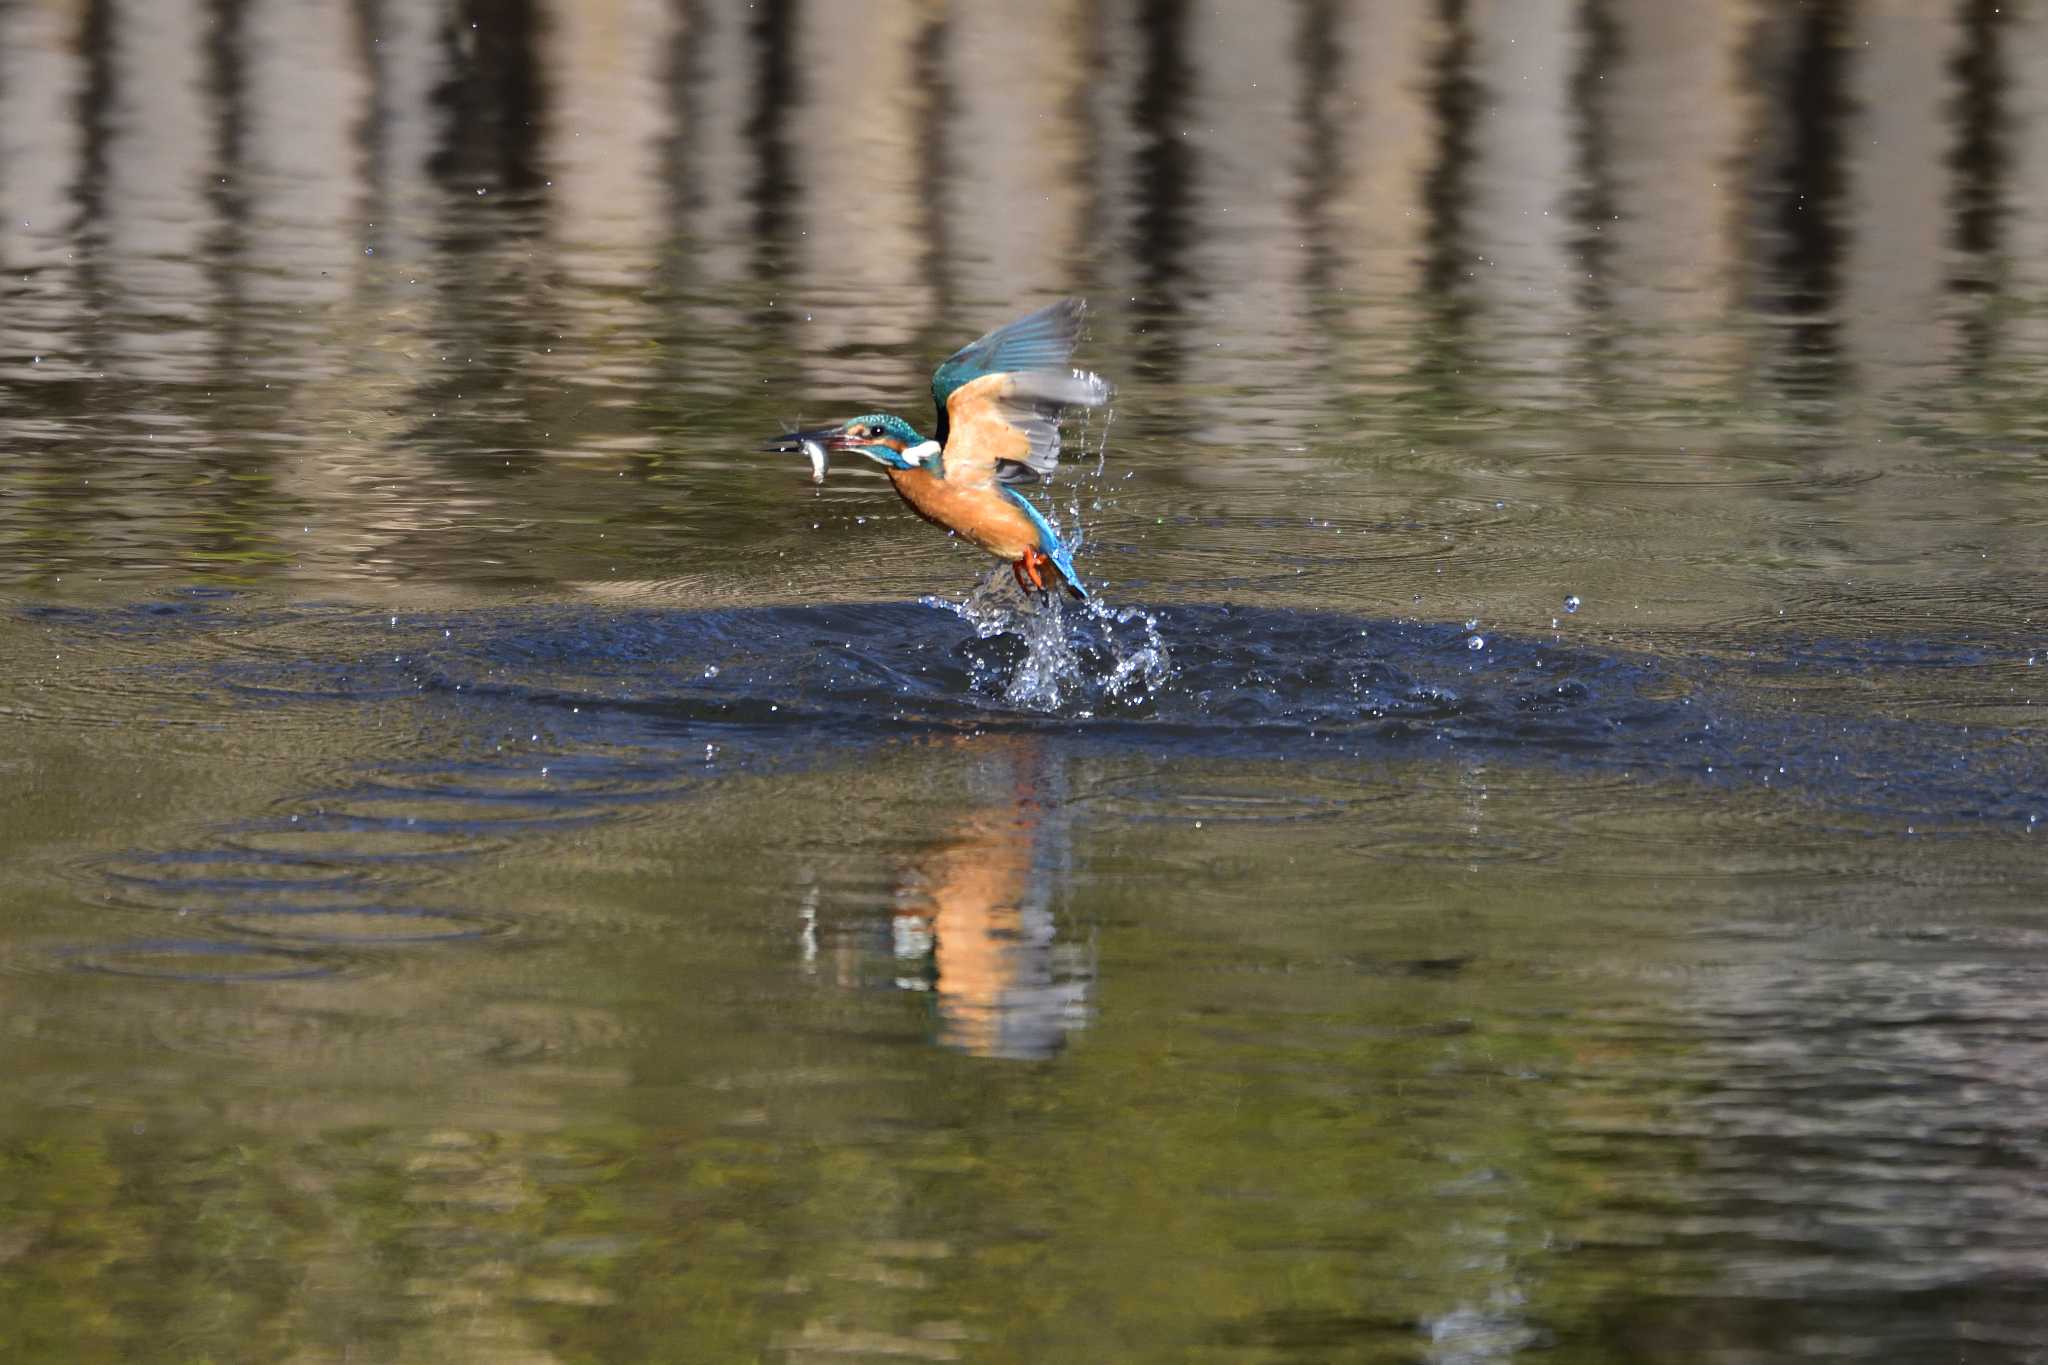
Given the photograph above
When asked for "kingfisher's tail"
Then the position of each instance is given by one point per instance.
(1049, 544)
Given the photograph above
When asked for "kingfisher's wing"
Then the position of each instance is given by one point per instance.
(1040, 341)
(1000, 398)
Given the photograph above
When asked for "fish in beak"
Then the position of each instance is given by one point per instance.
(816, 443)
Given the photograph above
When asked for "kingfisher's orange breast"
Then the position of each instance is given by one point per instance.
(980, 513)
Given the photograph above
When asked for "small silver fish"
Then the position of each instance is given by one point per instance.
(821, 459)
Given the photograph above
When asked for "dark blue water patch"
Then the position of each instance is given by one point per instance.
(876, 666)
(674, 697)
(1261, 683)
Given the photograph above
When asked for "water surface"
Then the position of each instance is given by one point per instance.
(1535, 855)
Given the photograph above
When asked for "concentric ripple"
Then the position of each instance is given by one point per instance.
(360, 925)
(213, 961)
(565, 715)
(547, 721)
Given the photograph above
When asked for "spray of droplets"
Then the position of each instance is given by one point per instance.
(1075, 656)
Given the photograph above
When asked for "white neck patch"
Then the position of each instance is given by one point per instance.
(921, 452)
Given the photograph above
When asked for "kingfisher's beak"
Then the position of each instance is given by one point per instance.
(793, 442)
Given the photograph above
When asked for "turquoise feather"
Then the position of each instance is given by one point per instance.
(1038, 341)
(1049, 542)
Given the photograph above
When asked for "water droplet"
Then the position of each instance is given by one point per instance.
(1476, 642)
(1571, 604)
(1472, 624)
(711, 670)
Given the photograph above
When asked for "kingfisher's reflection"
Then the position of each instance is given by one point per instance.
(974, 909)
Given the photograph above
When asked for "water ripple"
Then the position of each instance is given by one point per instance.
(585, 712)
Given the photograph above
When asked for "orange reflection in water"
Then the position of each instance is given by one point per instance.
(976, 909)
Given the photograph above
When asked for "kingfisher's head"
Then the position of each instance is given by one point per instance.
(886, 439)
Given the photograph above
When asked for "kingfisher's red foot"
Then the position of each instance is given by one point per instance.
(1030, 570)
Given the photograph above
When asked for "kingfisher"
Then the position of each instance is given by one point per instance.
(999, 401)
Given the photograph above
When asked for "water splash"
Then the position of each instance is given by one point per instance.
(1055, 655)
(1064, 657)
